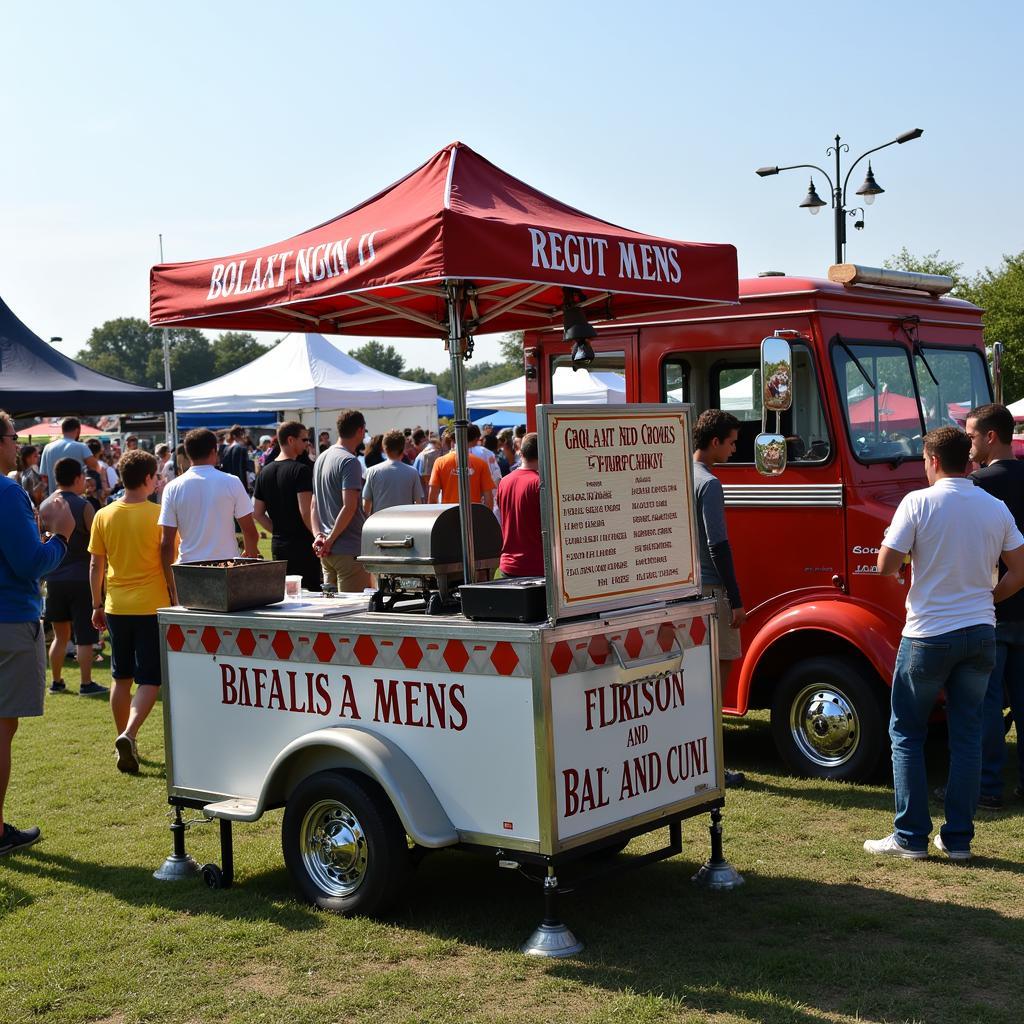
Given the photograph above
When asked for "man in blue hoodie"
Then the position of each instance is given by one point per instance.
(24, 559)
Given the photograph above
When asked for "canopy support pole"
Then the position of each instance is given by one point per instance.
(457, 355)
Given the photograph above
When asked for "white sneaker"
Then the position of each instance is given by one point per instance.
(127, 754)
(951, 854)
(889, 847)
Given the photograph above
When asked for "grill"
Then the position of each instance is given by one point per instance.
(416, 554)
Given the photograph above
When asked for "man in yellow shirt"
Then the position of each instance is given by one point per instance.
(125, 549)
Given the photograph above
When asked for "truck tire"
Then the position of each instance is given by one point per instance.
(343, 844)
(828, 720)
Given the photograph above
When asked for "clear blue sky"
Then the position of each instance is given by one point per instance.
(231, 125)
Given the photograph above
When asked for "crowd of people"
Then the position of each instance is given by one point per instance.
(107, 565)
(92, 532)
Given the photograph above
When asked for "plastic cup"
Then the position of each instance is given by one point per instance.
(292, 586)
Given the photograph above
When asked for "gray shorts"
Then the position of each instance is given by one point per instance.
(22, 669)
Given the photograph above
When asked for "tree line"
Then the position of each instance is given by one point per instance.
(999, 291)
(129, 348)
(132, 350)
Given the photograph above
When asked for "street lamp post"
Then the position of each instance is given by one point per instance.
(813, 202)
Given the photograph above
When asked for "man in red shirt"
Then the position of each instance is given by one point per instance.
(522, 553)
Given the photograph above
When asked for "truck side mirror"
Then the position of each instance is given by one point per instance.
(776, 374)
(770, 454)
(777, 397)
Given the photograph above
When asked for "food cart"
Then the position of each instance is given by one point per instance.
(537, 743)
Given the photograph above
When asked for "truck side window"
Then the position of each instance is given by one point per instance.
(735, 386)
(675, 381)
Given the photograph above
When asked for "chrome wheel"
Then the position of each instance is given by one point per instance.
(824, 725)
(333, 848)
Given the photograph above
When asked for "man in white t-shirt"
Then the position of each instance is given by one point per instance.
(955, 534)
(477, 449)
(202, 505)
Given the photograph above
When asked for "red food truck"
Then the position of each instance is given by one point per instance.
(878, 359)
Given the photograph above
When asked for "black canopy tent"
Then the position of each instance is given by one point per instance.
(36, 380)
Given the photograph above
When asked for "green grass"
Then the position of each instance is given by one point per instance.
(820, 932)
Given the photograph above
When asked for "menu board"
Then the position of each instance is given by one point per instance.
(618, 506)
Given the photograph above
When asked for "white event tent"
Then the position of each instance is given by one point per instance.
(309, 378)
(579, 387)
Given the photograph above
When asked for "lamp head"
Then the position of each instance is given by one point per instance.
(764, 172)
(914, 133)
(812, 201)
(870, 188)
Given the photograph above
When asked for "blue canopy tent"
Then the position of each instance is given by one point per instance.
(499, 418)
(219, 420)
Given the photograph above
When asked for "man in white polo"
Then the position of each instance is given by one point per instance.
(955, 534)
(201, 507)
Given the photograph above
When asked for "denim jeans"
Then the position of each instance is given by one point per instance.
(1009, 672)
(961, 663)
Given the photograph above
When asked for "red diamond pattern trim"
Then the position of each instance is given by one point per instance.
(561, 657)
(323, 647)
(410, 653)
(427, 654)
(598, 649)
(245, 642)
(634, 643)
(504, 658)
(456, 657)
(175, 637)
(211, 640)
(698, 631)
(282, 644)
(666, 636)
(365, 650)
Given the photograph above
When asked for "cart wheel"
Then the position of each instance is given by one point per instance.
(212, 876)
(343, 843)
(435, 605)
(828, 720)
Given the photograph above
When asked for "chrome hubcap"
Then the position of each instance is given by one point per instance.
(333, 847)
(824, 724)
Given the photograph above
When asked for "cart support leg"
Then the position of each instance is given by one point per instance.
(717, 873)
(227, 853)
(179, 864)
(552, 938)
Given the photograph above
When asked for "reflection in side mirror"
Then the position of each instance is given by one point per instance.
(776, 374)
(770, 454)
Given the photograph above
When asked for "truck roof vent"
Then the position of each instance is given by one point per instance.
(851, 274)
(772, 273)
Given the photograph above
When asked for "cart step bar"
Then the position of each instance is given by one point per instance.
(233, 810)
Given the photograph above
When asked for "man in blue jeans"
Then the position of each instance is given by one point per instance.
(990, 428)
(955, 534)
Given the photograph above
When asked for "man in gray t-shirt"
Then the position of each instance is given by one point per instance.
(68, 447)
(392, 482)
(336, 512)
(714, 441)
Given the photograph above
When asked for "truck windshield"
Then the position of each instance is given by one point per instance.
(960, 384)
(880, 392)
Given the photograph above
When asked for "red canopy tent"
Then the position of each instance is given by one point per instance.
(456, 247)
(895, 412)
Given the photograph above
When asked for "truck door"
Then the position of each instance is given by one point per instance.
(787, 534)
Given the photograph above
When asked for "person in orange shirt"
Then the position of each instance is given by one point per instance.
(444, 480)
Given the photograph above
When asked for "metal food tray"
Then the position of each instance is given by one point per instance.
(215, 586)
